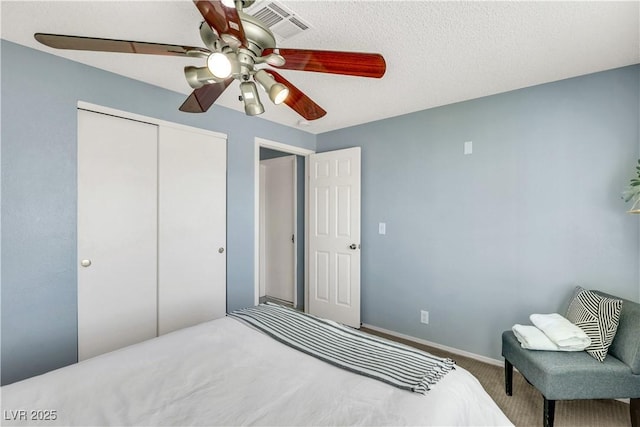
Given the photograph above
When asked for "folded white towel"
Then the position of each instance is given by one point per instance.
(533, 338)
(561, 331)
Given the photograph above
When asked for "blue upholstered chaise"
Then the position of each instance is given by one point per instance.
(577, 375)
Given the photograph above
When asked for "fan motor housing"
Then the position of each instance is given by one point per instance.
(257, 34)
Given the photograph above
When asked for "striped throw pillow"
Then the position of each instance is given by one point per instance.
(598, 317)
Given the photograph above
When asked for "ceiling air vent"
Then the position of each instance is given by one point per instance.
(282, 21)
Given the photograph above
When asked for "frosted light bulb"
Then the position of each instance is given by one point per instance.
(219, 65)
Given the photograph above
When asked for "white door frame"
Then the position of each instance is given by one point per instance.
(286, 148)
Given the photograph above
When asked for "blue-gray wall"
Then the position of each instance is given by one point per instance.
(39, 98)
(482, 241)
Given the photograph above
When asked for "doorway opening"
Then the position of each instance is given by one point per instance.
(280, 210)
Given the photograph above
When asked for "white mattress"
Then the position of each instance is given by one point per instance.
(225, 373)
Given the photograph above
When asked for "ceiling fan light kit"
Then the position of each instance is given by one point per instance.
(252, 104)
(199, 76)
(219, 65)
(277, 91)
(237, 47)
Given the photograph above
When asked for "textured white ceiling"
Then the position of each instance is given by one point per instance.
(437, 53)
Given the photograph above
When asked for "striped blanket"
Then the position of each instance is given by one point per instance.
(396, 364)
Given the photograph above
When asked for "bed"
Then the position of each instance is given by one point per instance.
(228, 372)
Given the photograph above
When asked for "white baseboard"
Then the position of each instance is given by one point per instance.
(436, 345)
(453, 350)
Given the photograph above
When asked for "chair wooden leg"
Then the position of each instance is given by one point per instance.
(549, 411)
(508, 377)
(634, 411)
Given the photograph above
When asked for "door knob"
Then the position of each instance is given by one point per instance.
(221, 250)
(353, 246)
(85, 262)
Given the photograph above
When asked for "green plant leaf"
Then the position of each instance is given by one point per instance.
(631, 193)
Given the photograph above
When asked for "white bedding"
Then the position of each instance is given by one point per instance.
(225, 373)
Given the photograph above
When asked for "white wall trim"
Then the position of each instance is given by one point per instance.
(440, 346)
(296, 239)
(83, 105)
(274, 145)
(279, 146)
(474, 356)
(306, 234)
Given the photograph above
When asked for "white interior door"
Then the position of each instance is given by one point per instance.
(192, 228)
(117, 232)
(334, 236)
(279, 229)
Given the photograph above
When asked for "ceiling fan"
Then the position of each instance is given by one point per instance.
(237, 47)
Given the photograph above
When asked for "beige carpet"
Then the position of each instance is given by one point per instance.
(524, 408)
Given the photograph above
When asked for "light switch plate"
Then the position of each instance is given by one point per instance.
(468, 147)
(382, 228)
(424, 316)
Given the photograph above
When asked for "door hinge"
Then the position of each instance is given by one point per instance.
(293, 238)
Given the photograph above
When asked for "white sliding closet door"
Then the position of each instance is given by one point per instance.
(192, 228)
(117, 232)
(151, 230)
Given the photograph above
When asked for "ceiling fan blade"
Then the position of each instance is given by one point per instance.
(225, 20)
(333, 62)
(60, 41)
(203, 98)
(298, 101)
